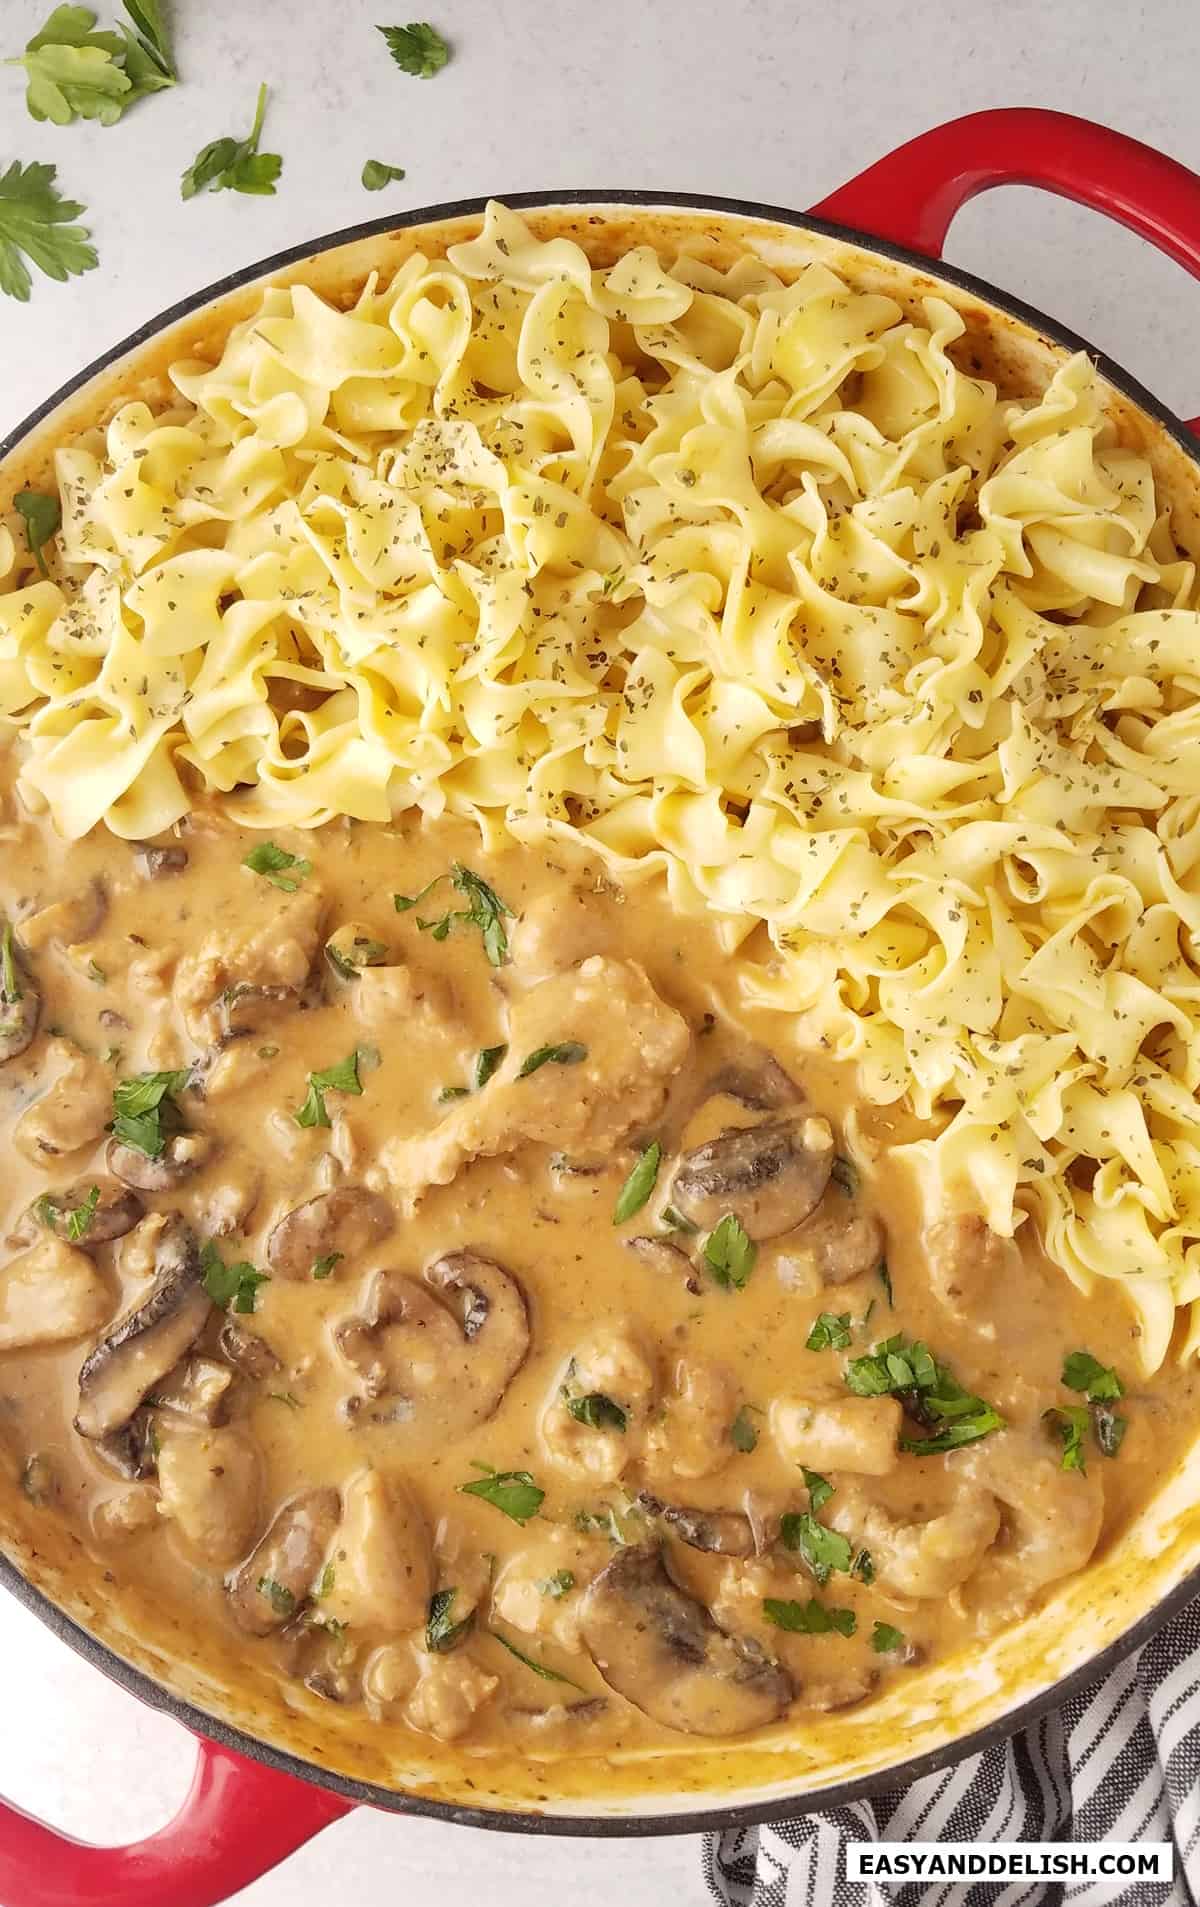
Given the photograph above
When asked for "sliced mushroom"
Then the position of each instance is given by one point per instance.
(246, 1351)
(279, 1574)
(67, 921)
(661, 1255)
(117, 1211)
(663, 1652)
(446, 1345)
(131, 1450)
(156, 861)
(338, 1224)
(770, 1177)
(148, 1341)
(183, 1154)
(761, 1084)
(718, 1532)
(50, 1295)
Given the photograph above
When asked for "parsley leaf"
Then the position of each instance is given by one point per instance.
(885, 1279)
(275, 864)
(417, 48)
(281, 1600)
(486, 1062)
(1070, 1421)
(342, 1078)
(639, 1185)
(442, 1633)
(512, 1491)
(558, 1585)
(323, 1266)
(484, 910)
(144, 1110)
(230, 1286)
(42, 517)
(730, 1253)
(78, 1222)
(234, 165)
(742, 1433)
(809, 1618)
(375, 174)
(823, 1550)
(596, 1410)
(566, 1053)
(829, 1333)
(907, 1369)
(539, 1668)
(10, 986)
(35, 220)
(1099, 1382)
(819, 1488)
(73, 72)
(351, 957)
(884, 1638)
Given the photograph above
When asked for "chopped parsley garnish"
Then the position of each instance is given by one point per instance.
(885, 1279)
(863, 1566)
(844, 1172)
(234, 165)
(77, 1223)
(885, 1639)
(639, 1185)
(281, 1600)
(231, 1287)
(442, 1633)
(325, 1582)
(1099, 1382)
(96, 974)
(376, 174)
(729, 1253)
(595, 1410)
(35, 223)
(342, 1078)
(347, 961)
(514, 1492)
(323, 1266)
(601, 1522)
(1070, 1422)
(276, 865)
(144, 1110)
(42, 517)
(486, 1062)
(823, 1550)
(742, 1433)
(673, 1221)
(829, 1333)
(418, 48)
(285, 1397)
(819, 1488)
(74, 72)
(558, 1585)
(811, 1618)
(539, 1668)
(453, 1092)
(566, 1053)
(10, 986)
(906, 1369)
(484, 910)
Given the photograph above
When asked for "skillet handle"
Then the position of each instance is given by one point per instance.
(911, 195)
(239, 1820)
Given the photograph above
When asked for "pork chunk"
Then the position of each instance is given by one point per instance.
(253, 970)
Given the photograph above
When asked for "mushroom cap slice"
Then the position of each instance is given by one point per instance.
(116, 1212)
(345, 1222)
(279, 1573)
(446, 1344)
(770, 1176)
(183, 1154)
(148, 1341)
(663, 1652)
(718, 1532)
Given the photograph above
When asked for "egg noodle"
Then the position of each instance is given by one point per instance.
(738, 580)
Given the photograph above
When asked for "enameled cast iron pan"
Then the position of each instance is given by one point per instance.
(267, 1779)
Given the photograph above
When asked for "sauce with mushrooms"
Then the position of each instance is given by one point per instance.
(466, 1301)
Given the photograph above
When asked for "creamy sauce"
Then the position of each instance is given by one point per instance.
(367, 1386)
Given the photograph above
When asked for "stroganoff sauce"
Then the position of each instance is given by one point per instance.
(414, 1415)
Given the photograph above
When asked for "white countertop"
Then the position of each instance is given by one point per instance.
(776, 99)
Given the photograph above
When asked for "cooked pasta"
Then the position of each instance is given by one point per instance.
(745, 584)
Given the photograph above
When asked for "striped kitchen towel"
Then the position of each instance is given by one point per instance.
(1118, 1762)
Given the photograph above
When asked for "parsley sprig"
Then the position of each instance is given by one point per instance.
(513, 1492)
(342, 1078)
(235, 165)
(907, 1369)
(418, 48)
(74, 72)
(729, 1253)
(275, 864)
(484, 910)
(144, 1111)
(230, 1286)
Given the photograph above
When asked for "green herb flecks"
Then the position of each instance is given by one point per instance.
(348, 959)
(742, 1433)
(821, 1549)
(565, 1053)
(442, 1632)
(907, 1369)
(513, 1492)
(819, 1488)
(41, 514)
(885, 1639)
(639, 1185)
(729, 1253)
(539, 1668)
(323, 1266)
(275, 864)
(811, 1618)
(145, 1115)
(829, 1332)
(231, 1287)
(484, 910)
(1070, 1424)
(558, 1585)
(281, 1600)
(595, 1410)
(342, 1078)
